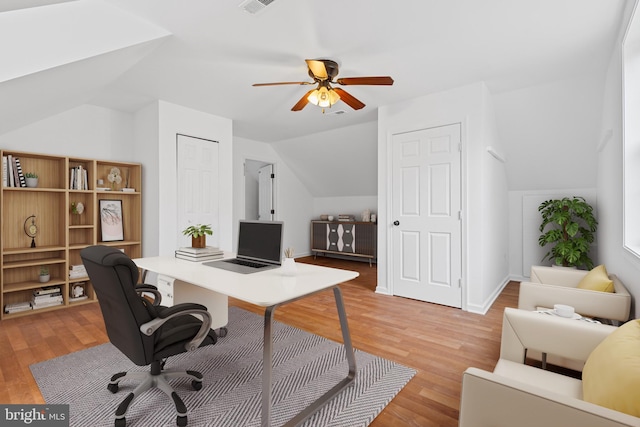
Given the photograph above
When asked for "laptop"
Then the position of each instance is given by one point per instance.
(259, 248)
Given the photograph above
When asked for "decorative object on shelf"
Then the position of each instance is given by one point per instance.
(289, 263)
(572, 230)
(111, 220)
(198, 234)
(114, 177)
(77, 208)
(374, 218)
(366, 216)
(324, 217)
(330, 218)
(31, 229)
(44, 274)
(77, 291)
(31, 179)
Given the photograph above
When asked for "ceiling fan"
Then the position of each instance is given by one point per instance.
(323, 72)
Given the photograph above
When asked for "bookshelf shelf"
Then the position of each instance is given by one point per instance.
(61, 233)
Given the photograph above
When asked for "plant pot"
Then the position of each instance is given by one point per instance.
(45, 278)
(199, 242)
(32, 182)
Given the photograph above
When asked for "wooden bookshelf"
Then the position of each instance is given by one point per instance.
(61, 234)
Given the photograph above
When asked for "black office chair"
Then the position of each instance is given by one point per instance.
(144, 331)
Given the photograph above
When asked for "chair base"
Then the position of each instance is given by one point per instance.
(150, 379)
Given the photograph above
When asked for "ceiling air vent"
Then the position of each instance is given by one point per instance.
(254, 6)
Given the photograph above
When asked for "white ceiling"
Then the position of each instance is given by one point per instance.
(217, 51)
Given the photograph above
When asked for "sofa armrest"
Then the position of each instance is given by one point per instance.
(559, 276)
(527, 330)
(490, 400)
(605, 305)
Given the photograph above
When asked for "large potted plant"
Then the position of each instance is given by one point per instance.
(570, 227)
(198, 234)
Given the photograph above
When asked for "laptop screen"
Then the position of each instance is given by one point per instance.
(260, 240)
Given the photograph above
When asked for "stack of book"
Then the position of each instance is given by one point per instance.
(46, 297)
(199, 254)
(77, 271)
(345, 217)
(17, 307)
(12, 175)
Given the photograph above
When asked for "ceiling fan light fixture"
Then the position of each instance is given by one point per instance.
(323, 97)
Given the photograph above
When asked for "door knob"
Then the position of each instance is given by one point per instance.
(396, 222)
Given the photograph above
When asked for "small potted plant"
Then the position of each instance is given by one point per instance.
(32, 179)
(571, 229)
(198, 234)
(44, 274)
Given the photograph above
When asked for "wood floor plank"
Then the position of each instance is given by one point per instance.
(439, 342)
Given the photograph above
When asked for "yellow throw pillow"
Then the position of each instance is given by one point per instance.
(611, 375)
(597, 280)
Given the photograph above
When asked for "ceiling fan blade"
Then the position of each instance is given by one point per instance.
(349, 99)
(283, 83)
(317, 68)
(383, 80)
(302, 102)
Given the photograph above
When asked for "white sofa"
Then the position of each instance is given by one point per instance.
(515, 394)
(550, 285)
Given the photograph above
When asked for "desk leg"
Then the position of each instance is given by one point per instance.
(267, 370)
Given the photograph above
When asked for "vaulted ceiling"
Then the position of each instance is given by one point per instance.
(205, 54)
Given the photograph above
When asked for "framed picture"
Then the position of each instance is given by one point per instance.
(111, 220)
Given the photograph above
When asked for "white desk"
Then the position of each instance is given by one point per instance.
(268, 289)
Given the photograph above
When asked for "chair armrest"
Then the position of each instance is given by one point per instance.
(149, 328)
(157, 296)
(606, 305)
(491, 400)
(559, 276)
(527, 330)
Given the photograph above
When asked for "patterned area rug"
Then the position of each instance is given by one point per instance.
(305, 366)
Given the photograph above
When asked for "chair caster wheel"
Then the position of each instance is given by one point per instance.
(222, 332)
(121, 422)
(113, 388)
(181, 421)
(197, 385)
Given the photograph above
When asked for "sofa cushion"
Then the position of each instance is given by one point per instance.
(597, 280)
(611, 375)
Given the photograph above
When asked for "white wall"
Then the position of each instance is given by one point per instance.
(294, 204)
(353, 205)
(483, 181)
(85, 131)
(610, 181)
(161, 190)
(335, 163)
(550, 132)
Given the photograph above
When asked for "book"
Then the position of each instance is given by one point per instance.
(5, 183)
(46, 304)
(46, 298)
(198, 258)
(46, 290)
(10, 171)
(206, 250)
(16, 180)
(21, 180)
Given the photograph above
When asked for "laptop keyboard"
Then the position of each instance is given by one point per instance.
(246, 263)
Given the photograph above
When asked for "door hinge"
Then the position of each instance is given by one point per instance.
(273, 211)
(273, 175)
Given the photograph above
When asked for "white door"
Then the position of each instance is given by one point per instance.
(426, 203)
(198, 187)
(265, 193)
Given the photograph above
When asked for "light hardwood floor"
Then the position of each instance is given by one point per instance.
(438, 341)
